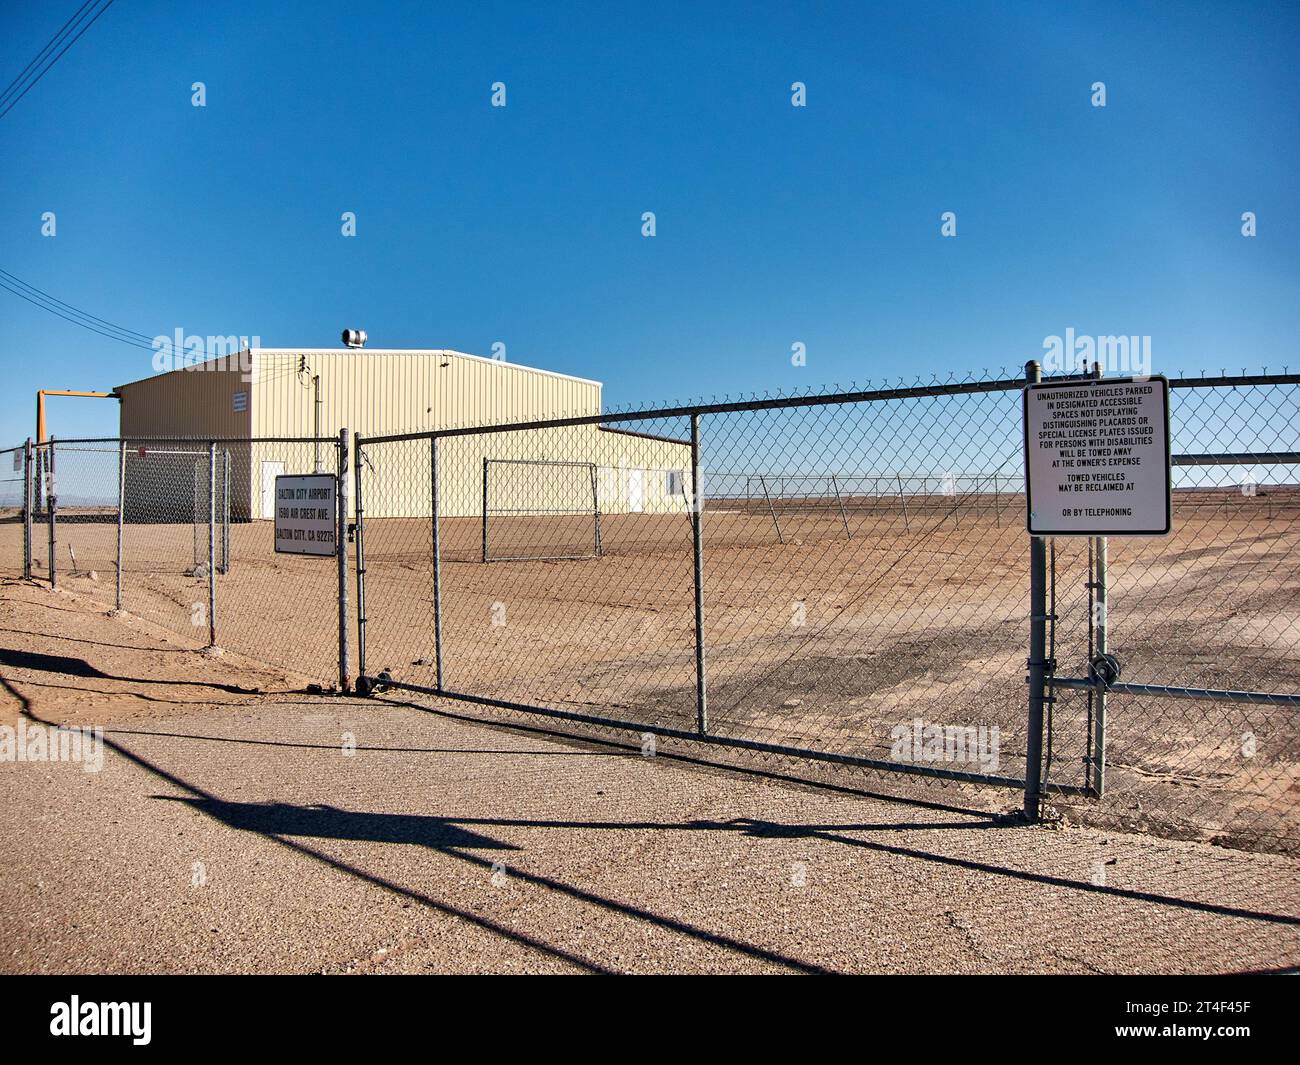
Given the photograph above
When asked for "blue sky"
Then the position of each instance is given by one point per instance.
(776, 224)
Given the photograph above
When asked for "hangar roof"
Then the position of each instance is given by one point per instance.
(362, 352)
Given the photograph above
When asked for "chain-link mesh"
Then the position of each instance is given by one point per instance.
(1215, 605)
(540, 630)
(518, 491)
(83, 480)
(858, 603)
(172, 509)
(866, 597)
(13, 487)
(282, 608)
(861, 572)
(863, 581)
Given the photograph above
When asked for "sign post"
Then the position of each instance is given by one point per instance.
(306, 515)
(1097, 464)
(1097, 457)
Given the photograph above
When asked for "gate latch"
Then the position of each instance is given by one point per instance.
(352, 532)
(1104, 670)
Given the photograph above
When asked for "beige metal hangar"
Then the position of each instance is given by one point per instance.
(303, 392)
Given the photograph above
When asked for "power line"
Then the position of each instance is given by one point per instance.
(49, 46)
(8, 105)
(60, 305)
(62, 309)
(7, 101)
(17, 292)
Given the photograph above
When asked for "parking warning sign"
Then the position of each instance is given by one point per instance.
(305, 517)
(1097, 457)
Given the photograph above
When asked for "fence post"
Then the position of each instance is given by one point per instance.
(361, 567)
(437, 560)
(485, 509)
(341, 553)
(225, 514)
(29, 497)
(762, 480)
(121, 518)
(1099, 744)
(39, 479)
(843, 516)
(212, 543)
(51, 510)
(907, 526)
(697, 547)
(1037, 663)
(595, 504)
(197, 505)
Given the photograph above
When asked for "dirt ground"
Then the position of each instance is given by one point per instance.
(829, 643)
(242, 824)
(822, 640)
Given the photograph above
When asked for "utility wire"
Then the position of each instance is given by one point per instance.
(62, 309)
(61, 305)
(67, 318)
(49, 46)
(8, 105)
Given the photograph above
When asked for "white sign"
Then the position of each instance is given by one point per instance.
(1097, 457)
(305, 519)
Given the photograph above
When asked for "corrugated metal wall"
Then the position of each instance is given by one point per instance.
(200, 401)
(374, 392)
(633, 473)
(211, 399)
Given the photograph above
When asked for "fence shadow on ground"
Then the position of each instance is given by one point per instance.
(67, 666)
(458, 837)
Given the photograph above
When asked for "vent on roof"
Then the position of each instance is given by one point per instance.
(354, 338)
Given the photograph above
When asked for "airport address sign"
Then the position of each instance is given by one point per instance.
(305, 514)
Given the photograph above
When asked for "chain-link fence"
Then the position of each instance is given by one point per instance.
(1199, 736)
(843, 580)
(855, 600)
(181, 534)
(840, 583)
(13, 509)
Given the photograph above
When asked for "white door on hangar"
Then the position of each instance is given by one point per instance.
(636, 491)
(270, 471)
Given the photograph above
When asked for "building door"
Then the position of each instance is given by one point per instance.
(270, 471)
(635, 491)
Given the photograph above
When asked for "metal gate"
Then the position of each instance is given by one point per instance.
(841, 579)
(707, 598)
(174, 530)
(838, 579)
(1172, 670)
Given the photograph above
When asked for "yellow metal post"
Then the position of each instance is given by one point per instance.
(40, 405)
